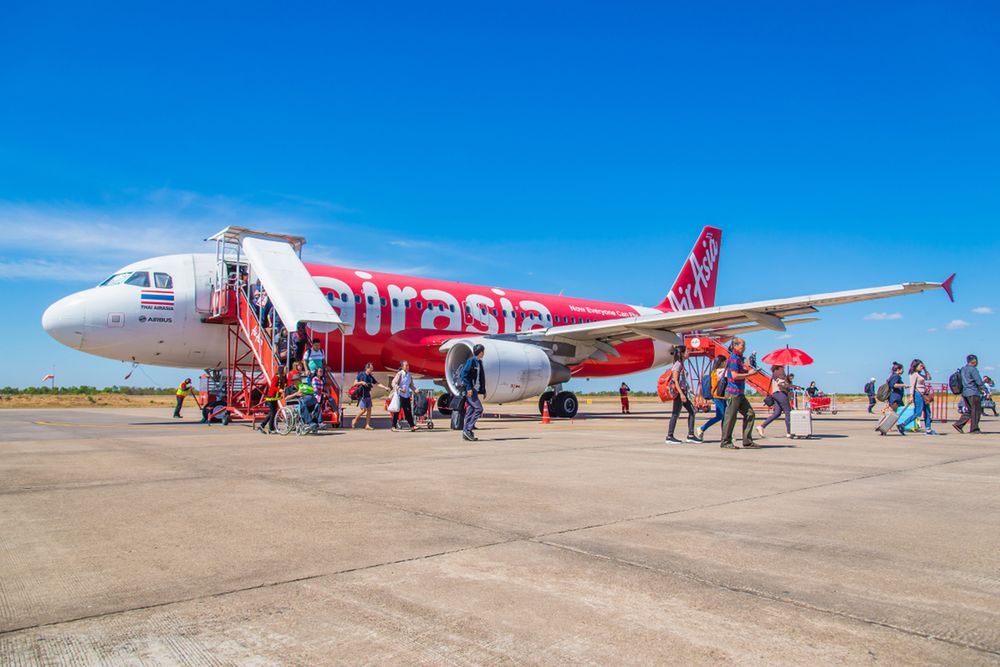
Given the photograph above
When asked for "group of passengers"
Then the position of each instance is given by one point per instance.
(726, 386)
(912, 395)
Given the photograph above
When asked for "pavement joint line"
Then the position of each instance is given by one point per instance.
(260, 586)
(98, 485)
(769, 596)
(764, 496)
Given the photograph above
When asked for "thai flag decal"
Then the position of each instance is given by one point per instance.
(157, 297)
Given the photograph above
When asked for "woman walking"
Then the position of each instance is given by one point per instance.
(678, 377)
(781, 387)
(918, 390)
(402, 384)
(717, 382)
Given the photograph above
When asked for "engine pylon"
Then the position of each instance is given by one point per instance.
(545, 413)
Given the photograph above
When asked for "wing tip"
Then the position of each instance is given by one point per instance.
(946, 286)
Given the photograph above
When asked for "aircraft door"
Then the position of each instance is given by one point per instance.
(205, 277)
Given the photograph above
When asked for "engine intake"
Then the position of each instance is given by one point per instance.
(513, 370)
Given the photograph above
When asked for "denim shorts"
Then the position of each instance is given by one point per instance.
(365, 403)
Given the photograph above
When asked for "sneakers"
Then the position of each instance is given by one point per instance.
(693, 438)
(760, 431)
(751, 445)
(901, 430)
(727, 445)
(468, 435)
(672, 440)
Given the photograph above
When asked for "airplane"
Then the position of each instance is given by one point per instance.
(158, 311)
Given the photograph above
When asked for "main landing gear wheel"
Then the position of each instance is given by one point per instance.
(565, 405)
(444, 404)
(546, 398)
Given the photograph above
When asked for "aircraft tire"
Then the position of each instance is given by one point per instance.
(546, 397)
(565, 405)
(444, 404)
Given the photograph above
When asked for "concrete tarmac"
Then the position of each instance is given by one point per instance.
(127, 537)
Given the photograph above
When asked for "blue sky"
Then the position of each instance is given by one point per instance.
(546, 146)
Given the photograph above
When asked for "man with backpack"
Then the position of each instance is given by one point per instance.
(969, 383)
(870, 393)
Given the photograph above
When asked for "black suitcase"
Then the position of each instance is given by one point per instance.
(458, 413)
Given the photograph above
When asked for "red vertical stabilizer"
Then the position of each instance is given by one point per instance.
(695, 284)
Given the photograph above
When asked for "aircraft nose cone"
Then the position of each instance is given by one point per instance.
(64, 320)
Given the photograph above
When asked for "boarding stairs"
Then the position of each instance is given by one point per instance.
(702, 350)
(244, 257)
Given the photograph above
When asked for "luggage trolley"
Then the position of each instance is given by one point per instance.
(423, 403)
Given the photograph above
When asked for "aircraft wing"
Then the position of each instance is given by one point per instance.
(717, 321)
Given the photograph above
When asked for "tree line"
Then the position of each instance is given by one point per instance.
(85, 390)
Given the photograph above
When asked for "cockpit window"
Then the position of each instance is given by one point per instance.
(116, 279)
(163, 281)
(138, 279)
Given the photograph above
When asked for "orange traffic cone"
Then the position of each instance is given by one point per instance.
(545, 413)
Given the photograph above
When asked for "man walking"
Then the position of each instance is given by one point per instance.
(475, 384)
(736, 401)
(972, 394)
(870, 393)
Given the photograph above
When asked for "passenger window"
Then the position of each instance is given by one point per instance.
(382, 301)
(504, 311)
(494, 311)
(371, 300)
(357, 298)
(420, 305)
(138, 279)
(468, 310)
(395, 303)
(343, 297)
(163, 281)
(451, 307)
(406, 303)
(441, 307)
(548, 317)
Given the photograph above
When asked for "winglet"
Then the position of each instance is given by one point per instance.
(946, 286)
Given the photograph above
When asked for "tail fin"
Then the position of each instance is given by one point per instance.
(695, 284)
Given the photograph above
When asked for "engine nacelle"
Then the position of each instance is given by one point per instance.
(513, 370)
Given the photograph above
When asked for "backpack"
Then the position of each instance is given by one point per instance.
(955, 382)
(706, 386)
(882, 395)
(721, 384)
(665, 386)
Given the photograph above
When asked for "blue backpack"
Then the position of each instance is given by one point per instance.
(706, 386)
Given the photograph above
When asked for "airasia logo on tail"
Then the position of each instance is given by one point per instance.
(695, 285)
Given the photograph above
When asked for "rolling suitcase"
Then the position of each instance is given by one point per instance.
(802, 423)
(458, 413)
(887, 422)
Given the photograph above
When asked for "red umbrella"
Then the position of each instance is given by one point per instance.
(787, 356)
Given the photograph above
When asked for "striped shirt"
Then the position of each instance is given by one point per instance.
(735, 387)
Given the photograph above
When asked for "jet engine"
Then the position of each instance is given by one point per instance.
(513, 370)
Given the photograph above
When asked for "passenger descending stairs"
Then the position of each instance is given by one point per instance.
(252, 364)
